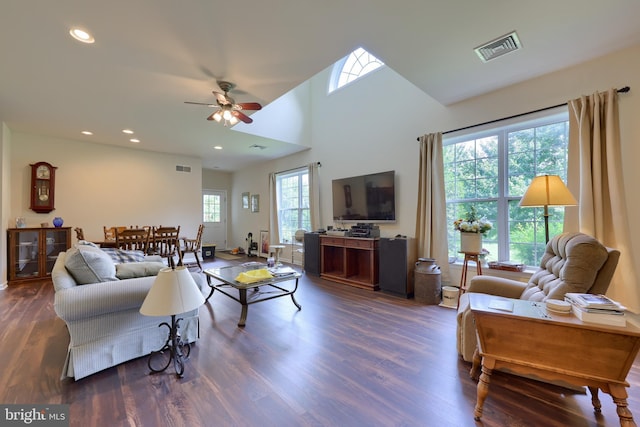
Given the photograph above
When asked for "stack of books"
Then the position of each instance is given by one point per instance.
(600, 309)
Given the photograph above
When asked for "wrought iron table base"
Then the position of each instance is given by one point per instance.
(174, 347)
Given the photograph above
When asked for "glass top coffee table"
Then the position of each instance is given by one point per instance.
(284, 282)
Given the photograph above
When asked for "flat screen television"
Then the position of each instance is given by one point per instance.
(365, 198)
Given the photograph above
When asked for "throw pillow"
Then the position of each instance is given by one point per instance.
(87, 243)
(89, 265)
(130, 270)
(120, 256)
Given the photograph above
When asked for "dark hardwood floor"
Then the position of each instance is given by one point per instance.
(350, 357)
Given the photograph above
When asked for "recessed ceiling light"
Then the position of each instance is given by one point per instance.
(81, 35)
(135, 140)
(217, 147)
(127, 131)
(86, 132)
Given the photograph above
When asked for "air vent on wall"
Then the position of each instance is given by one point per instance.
(180, 168)
(498, 47)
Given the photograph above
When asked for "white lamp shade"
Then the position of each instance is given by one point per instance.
(173, 292)
(547, 190)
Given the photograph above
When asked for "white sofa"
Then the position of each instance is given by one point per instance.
(104, 322)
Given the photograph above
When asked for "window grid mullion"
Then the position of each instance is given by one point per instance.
(503, 205)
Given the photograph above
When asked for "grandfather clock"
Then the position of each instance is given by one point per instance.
(42, 187)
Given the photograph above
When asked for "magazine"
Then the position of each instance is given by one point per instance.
(603, 319)
(282, 271)
(593, 301)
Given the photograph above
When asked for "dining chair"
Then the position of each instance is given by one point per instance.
(165, 242)
(110, 232)
(79, 233)
(192, 246)
(132, 239)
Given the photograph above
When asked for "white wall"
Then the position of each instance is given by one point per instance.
(372, 126)
(98, 185)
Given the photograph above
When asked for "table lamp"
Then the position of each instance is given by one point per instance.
(173, 292)
(547, 190)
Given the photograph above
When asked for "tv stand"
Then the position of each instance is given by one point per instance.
(350, 260)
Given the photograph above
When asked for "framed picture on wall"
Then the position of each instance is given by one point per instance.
(245, 200)
(264, 243)
(255, 203)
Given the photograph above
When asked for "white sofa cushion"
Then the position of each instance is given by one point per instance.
(130, 270)
(89, 265)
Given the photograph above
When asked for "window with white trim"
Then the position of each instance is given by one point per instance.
(211, 207)
(491, 169)
(293, 203)
(351, 67)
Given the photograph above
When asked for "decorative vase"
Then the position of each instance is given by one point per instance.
(57, 222)
(470, 242)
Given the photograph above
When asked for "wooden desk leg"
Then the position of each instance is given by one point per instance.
(483, 386)
(595, 400)
(475, 366)
(619, 394)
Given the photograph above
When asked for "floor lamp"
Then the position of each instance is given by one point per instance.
(173, 292)
(545, 191)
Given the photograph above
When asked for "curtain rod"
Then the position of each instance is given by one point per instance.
(621, 90)
(292, 169)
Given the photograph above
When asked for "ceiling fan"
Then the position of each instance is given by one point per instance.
(227, 108)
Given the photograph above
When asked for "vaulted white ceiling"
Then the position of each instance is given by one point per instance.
(152, 55)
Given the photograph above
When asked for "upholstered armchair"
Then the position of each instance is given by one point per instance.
(572, 262)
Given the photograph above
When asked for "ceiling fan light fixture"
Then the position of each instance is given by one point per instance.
(217, 116)
(81, 35)
(226, 114)
(233, 120)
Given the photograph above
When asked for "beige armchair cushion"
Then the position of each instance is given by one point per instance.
(570, 263)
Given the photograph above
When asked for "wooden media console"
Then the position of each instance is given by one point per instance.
(350, 260)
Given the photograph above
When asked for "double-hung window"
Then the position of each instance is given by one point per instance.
(293, 203)
(491, 169)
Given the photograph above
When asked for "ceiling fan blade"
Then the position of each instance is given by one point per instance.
(254, 106)
(200, 103)
(241, 116)
(221, 97)
(211, 116)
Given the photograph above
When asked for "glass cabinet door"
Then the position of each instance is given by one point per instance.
(55, 242)
(26, 249)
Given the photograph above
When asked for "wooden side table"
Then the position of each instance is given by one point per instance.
(554, 347)
(468, 256)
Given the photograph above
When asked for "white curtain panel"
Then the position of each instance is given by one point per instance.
(431, 216)
(274, 229)
(595, 174)
(314, 195)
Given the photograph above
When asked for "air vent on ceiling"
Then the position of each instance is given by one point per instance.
(180, 168)
(498, 47)
(258, 147)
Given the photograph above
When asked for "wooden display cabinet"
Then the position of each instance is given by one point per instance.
(31, 252)
(350, 260)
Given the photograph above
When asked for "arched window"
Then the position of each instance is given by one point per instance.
(351, 67)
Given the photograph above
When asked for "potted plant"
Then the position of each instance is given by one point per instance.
(471, 229)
